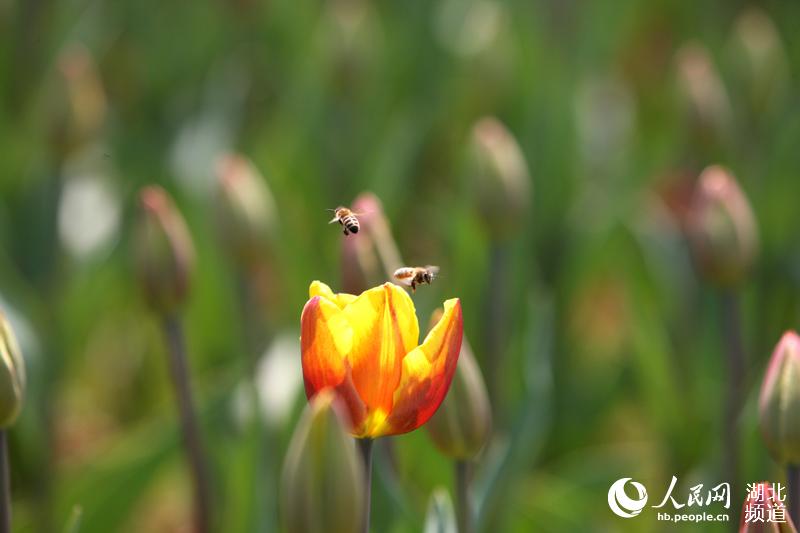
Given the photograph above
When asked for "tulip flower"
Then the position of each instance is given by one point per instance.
(366, 348)
(763, 511)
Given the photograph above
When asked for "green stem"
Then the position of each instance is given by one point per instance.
(732, 341)
(793, 482)
(463, 506)
(191, 434)
(365, 446)
(495, 320)
(5, 485)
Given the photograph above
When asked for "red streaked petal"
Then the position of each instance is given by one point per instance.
(325, 339)
(427, 373)
(385, 329)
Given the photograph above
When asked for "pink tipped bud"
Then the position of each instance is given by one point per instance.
(722, 228)
(779, 402)
(500, 176)
(370, 256)
(703, 89)
(247, 212)
(164, 251)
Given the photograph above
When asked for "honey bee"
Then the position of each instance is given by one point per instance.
(414, 276)
(347, 219)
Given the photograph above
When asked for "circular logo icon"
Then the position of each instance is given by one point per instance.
(621, 504)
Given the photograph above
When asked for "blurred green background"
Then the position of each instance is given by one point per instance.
(602, 345)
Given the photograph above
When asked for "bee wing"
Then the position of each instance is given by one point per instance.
(433, 269)
(334, 219)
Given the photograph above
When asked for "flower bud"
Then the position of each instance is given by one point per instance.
(462, 424)
(79, 101)
(246, 208)
(12, 375)
(370, 256)
(760, 503)
(441, 517)
(703, 90)
(322, 486)
(721, 228)
(759, 59)
(164, 251)
(779, 402)
(502, 184)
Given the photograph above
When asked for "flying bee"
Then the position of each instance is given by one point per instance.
(414, 276)
(347, 219)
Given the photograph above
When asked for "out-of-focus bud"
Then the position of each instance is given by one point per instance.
(502, 183)
(462, 424)
(779, 402)
(441, 517)
(164, 251)
(247, 211)
(760, 59)
(81, 101)
(12, 375)
(370, 256)
(322, 486)
(703, 89)
(761, 498)
(721, 228)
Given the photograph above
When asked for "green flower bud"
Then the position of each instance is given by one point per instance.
(12, 375)
(462, 424)
(721, 228)
(246, 208)
(164, 251)
(322, 486)
(759, 60)
(703, 91)
(78, 101)
(502, 183)
(779, 402)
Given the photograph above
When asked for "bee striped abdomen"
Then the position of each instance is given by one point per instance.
(350, 223)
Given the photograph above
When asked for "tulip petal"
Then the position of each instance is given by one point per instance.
(318, 288)
(385, 329)
(325, 340)
(427, 373)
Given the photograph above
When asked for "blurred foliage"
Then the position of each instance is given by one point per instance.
(612, 362)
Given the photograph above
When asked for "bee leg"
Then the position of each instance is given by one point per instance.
(345, 231)
(413, 286)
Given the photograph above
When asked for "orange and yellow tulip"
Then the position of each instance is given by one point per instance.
(366, 349)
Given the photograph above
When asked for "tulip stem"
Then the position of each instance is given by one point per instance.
(793, 481)
(191, 434)
(5, 485)
(464, 508)
(732, 340)
(495, 319)
(365, 445)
